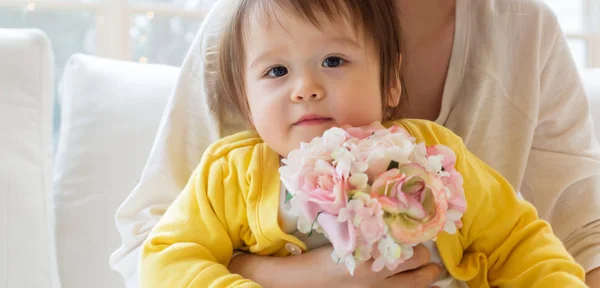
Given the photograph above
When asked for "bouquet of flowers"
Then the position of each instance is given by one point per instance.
(374, 192)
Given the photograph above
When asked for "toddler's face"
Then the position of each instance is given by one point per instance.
(301, 80)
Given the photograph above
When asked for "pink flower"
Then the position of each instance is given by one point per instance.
(457, 204)
(453, 180)
(364, 213)
(374, 192)
(414, 202)
(342, 236)
(320, 191)
(399, 130)
(365, 216)
(449, 157)
(304, 159)
(379, 146)
(323, 189)
(348, 160)
(363, 131)
(383, 147)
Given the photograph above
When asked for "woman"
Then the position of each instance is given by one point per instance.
(498, 73)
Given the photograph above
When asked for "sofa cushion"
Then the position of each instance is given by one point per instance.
(27, 256)
(110, 112)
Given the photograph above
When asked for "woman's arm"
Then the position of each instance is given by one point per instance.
(504, 236)
(316, 269)
(502, 242)
(562, 178)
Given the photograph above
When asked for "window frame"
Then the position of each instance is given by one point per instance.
(113, 20)
(592, 21)
(591, 34)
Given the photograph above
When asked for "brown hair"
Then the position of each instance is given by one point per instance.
(375, 18)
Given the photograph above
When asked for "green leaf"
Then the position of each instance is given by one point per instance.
(393, 165)
(312, 226)
(288, 197)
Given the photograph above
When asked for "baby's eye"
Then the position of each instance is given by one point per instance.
(332, 62)
(278, 71)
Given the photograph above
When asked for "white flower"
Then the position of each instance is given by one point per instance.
(391, 254)
(452, 217)
(380, 150)
(434, 164)
(347, 260)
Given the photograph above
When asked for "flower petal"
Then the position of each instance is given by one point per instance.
(359, 180)
(450, 227)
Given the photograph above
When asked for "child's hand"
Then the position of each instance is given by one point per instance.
(317, 269)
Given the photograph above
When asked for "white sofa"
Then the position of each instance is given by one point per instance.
(110, 112)
(27, 256)
(57, 204)
(61, 218)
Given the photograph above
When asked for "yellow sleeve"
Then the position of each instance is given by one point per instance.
(192, 244)
(502, 243)
(504, 236)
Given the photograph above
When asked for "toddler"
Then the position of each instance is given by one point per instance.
(295, 68)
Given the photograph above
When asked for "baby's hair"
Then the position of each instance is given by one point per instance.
(376, 19)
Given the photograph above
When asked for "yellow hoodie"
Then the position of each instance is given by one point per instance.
(231, 202)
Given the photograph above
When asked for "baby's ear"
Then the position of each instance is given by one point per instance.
(396, 89)
(395, 94)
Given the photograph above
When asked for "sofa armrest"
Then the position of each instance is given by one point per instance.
(27, 217)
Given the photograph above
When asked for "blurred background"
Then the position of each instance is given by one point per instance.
(161, 31)
(145, 31)
(580, 20)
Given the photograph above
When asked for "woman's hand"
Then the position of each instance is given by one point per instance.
(317, 269)
(592, 278)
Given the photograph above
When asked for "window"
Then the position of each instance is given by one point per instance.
(153, 31)
(580, 20)
(161, 31)
(148, 31)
